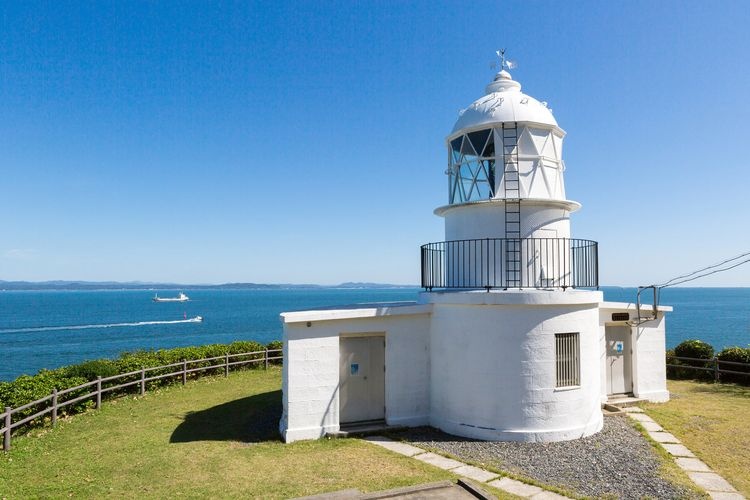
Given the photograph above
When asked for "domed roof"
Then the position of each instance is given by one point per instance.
(504, 102)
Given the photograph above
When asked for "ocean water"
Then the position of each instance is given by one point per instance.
(47, 329)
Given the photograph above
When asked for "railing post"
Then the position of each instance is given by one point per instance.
(54, 407)
(98, 392)
(6, 439)
(184, 371)
(226, 365)
(265, 361)
(143, 381)
(716, 369)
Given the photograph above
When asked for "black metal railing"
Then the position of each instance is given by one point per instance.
(511, 263)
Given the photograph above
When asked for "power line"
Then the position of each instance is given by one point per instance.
(672, 282)
(722, 266)
(692, 276)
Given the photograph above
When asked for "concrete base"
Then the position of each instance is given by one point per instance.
(522, 435)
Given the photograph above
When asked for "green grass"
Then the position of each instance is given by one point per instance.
(712, 421)
(214, 437)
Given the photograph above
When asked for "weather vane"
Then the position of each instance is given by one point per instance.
(503, 63)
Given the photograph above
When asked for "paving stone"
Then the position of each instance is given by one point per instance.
(663, 437)
(475, 473)
(439, 461)
(651, 426)
(398, 447)
(720, 495)
(632, 409)
(710, 481)
(547, 495)
(641, 417)
(516, 487)
(691, 464)
(677, 450)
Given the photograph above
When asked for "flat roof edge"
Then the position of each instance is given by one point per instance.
(357, 311)
(631, 306)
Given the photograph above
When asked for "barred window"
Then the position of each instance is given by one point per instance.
(567, 357)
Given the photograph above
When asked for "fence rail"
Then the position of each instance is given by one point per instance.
(53, 402)
(510, 263)
(712, 365)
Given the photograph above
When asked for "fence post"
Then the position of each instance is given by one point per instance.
(6, 439)
(184, 371)
(265, 363)
(98, 392)
(54, 407)
(716, 369)
(143, 381)
(226, 365)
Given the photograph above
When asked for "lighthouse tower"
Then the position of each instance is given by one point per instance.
(510, 339)
(506, 187)
(515, 333)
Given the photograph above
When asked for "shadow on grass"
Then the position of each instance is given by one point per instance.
(249, 420)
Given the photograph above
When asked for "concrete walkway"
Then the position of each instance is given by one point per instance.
(464, 470)
(715, 485)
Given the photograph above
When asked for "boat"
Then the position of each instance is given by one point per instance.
(180, 298)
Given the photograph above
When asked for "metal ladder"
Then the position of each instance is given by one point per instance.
(512, 192)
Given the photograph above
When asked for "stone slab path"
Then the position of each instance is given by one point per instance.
(700, 473)
(465, 470)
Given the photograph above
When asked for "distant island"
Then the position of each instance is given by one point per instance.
(140, 285)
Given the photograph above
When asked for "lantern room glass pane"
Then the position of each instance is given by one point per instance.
(479, 139)
(472, 167)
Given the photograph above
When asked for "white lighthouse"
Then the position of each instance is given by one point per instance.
(511, 339)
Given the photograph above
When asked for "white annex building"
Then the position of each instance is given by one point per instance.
(510, 339)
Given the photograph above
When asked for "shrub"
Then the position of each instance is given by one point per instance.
(694, 349)
(27, 388)
(735, 355)
(90, 370)
(275, 344)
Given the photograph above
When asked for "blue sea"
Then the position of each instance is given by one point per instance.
(47, 329)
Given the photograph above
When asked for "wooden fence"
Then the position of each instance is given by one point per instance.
(713, 365)
(66, 397)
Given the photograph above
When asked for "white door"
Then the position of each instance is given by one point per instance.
(619, 360)
(361, 379)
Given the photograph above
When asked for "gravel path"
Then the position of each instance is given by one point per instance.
(616, 462)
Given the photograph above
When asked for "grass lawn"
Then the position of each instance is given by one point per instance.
(214, 437)
(712, 421)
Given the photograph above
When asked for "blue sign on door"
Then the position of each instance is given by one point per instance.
(354, 369)
(619, 346)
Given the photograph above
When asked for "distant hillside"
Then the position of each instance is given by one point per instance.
(140, 285)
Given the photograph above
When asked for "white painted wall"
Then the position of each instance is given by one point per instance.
(474, 364)
(311, 376)
(487, 220)
(649, 351)
(650, 369)
(493, 365)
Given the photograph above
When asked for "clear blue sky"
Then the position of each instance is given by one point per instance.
(303, 142)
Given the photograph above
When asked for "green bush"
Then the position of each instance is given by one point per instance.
(28, 388)
(693, 349)
(90, 370)
(275, 344)
(735, 355)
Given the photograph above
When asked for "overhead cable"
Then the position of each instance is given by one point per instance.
(707, 271)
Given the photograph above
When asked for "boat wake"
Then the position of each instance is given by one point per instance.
(196, 319)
